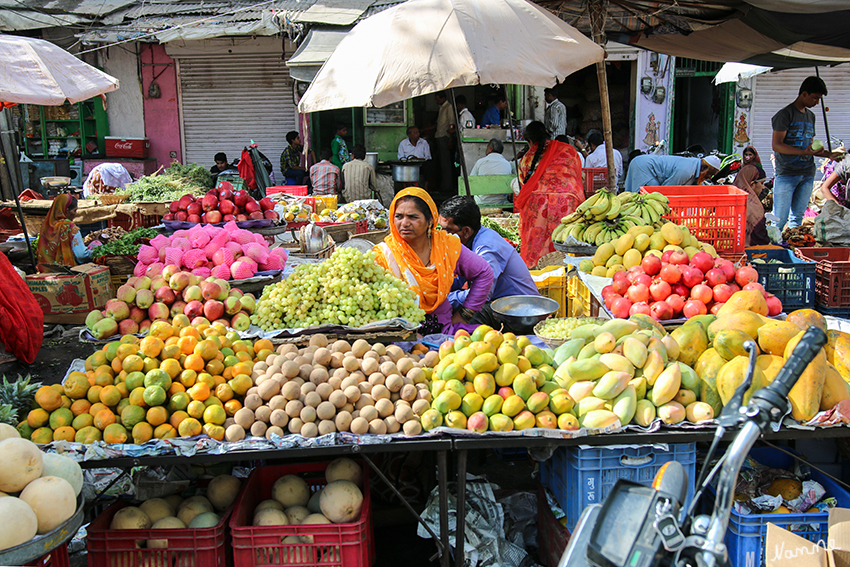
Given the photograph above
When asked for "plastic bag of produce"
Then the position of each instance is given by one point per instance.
(832, 225)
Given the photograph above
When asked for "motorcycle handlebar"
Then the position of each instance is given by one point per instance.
(806, 350)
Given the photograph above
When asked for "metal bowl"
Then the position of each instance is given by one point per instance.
(524, 310)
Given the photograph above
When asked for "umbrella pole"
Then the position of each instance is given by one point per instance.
(514, 142)
(825, 123)
(598, 11)
(10, 152)
(460, 145)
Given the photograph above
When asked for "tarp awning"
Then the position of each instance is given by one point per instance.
(313, 52)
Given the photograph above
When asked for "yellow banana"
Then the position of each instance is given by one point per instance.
(616, 205)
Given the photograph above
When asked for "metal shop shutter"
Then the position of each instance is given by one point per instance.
(776, 90)
(227, 101)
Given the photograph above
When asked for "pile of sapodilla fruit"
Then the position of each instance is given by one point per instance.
(337, 386)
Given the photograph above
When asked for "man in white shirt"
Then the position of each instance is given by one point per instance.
(555, 115)
(598, 157)
(493, 163)
(413, 146)
(465, 117)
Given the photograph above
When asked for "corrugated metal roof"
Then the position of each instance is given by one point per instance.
(77, 7)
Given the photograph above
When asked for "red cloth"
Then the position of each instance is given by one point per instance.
(246, 169)
(21, 318)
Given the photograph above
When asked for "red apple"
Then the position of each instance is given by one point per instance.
(256, 215)
(641, 308)
(671, 274)
(693, 308)
(225, 193)
(241, 217)
(226, 207)
(746, 275)
(661, 311)
(714, 277)
(722, 293)
(702, 292)
(676, 303)
(252, 206)
(174, 206)
(213, 217)
(620, 308)
(195, 208)
(168, 216)
(210, 201)
(651, 265)
(240, 198)
(273, 215)
(660, 290)
(181, 216)
(266, 204)
(184, 202)
(194, 218)
(228, 218)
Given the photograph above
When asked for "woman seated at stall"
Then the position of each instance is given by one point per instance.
(429, 259)
(551, 188)
(751, 180)
(835, 178)
(60, 241)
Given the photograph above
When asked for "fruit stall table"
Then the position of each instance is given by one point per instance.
(88, 211)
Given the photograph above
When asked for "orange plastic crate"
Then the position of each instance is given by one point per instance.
(595, 178)
(715, 214)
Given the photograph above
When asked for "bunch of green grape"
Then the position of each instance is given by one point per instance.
(347, 289)
(561, 328)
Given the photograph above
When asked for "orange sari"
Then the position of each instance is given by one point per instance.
(553, 191)
(55, 241)
(431, 283)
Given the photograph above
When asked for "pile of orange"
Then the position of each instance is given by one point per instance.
(178, 381)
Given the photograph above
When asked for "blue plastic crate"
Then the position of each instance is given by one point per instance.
(839, 312)
(579, 477)
(746, 537)
(792, 280)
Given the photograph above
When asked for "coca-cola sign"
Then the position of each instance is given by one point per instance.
(124, 145)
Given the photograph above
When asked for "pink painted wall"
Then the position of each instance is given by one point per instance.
(162, 120)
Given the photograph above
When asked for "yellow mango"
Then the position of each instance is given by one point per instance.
(667, 385)
(644, 413)
(603, 253)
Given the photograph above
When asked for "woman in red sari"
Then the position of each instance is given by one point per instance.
(550, 177)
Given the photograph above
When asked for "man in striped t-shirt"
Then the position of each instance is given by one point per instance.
(358, 177)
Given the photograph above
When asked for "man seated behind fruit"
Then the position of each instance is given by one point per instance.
(325, 176)
(461, 216)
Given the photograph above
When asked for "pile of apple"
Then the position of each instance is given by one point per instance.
(675, 286)
(221, 204)
(144, 300)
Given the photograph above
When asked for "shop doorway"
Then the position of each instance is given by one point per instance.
(702, 115)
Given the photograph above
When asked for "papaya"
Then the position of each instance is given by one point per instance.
(692, 340)
(732, 375)
(835, 389)
(703, 320)
(743, 320)
(805, 318)
(770, 364)
(773, 336)
(751, 300)
(805, 396)
(707, 368)
(838, 352)
(729, 343)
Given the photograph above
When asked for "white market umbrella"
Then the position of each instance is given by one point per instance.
(34, 71)
(731, 72)
(425, 46)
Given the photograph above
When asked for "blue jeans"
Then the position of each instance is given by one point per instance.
(791, 193)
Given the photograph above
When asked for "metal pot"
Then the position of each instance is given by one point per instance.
(372, 159)
(406, 172)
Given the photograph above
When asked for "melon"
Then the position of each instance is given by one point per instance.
(296, 514)
(64, 467)
(341, 501)
(190, 500)
(20, 463)
(7, 431)
(188, 512)
(2, 494)
(313, 519)
(166, 523)
(268, 504)
(344, 469)
(313, 503)
(52, 499)
(174, 500)
(130, 518)
(222, 491)
(205, 520)
(290, 490)
(19, 522)
(157, 509)
(270, 517)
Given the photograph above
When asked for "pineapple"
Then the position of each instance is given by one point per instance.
(18, 396)
(8, 415)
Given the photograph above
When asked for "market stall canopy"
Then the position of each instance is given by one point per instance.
(34, 71)
(425, 46)
(313, 52)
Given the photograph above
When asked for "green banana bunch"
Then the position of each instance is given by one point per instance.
(605, 216)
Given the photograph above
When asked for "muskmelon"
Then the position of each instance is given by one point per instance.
(166, 523)
(313, 503)
(157, 509)
(341, 501)
(291, 490)
(311, 520)
(130, 518)
(188, 512)
(7, 431)
(268, 504)
(52, 499)
(20, 463)
(19, 522)
(64, 467)
(202, 499)
(222, 491)
(205, 520)
(270, 517)
(174, 500)
(296, 514)
(344, 469)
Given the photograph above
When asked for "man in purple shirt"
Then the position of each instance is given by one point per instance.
(461, 216)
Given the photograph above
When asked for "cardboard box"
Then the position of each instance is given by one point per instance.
(67, 295)
(127, 147)
(786, 549)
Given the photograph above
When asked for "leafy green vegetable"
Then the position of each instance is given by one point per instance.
(124, 246)
(508, 232)
(171, 184)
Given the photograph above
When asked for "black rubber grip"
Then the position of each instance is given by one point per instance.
(805, 351)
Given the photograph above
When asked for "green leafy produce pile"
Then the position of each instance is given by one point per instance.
(124, 245)
(510, 232)
(171, 184)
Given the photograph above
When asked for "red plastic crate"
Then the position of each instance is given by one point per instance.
(56, 558)
(186, 547)
(134, 221)
(832, 275)
(334, 545)
(294, 190)
(552, 537)
(715, 214)
(595, 178)
(361, 226)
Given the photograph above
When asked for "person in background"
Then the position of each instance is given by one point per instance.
(339, 151)
(221, 164)
(446, 124)
(652, 170)
(413, 147)
(290, 159)
(493, 163)
(465, 117)
(429, 259)
(793, 132)
(105, 179)
(462, 217)
(751, 180)
(493, 115)
(325, 176)
(750, 157)
(60, 241)
(555, 115)
(358, 177)
(598, 156)
(834, 185)
(551, 188)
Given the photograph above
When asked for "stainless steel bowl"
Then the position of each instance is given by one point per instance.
(406, 172)
(372, 159)
(524, 310)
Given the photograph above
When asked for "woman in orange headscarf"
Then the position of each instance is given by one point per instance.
(59, 241)
(428, 260)
(550, 177)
